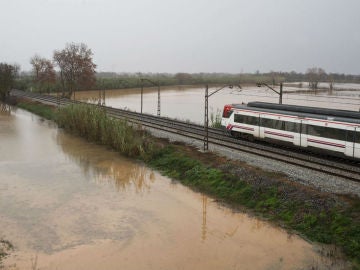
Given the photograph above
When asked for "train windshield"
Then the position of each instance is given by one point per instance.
(227, 111)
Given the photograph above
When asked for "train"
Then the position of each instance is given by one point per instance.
(329, 131)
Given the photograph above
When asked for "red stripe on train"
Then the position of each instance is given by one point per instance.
(243, 127)
(326, 143)
(279, 134)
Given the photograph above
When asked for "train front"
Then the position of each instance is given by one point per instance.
(225, 119)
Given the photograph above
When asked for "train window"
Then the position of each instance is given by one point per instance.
(357, 137)
(338, 134)
(327, 132)
(353, 136)
(292, 127)
(251, 120)
(238, 118)
(350, 136)
(268, 123)
(281, 125)
(246, 119)
(313, 130)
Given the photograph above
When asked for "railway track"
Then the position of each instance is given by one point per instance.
(350, 171)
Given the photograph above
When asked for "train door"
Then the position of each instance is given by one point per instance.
(257, 133)
(303, 133)
(357, 143)
(296, 130)
(261, 128)
(350, 142)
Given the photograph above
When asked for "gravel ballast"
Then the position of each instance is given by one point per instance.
(321, 181)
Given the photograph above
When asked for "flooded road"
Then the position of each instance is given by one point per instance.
(187, 103)
(69, 204)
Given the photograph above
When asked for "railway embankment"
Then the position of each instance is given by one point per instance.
(320, 216)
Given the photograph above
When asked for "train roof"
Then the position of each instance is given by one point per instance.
(303, 111)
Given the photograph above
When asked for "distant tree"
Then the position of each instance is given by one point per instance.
(8, 74)
(314, 76)
(331, 82)
(183, 77)
(77, 70)
(43, 72)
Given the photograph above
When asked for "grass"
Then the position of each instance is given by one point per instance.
(92, 123)
(215, 119)
(321, 217)
(47, 112)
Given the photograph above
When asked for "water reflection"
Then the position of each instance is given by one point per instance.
(5, 121)
(4, 109)
(106, 166)
(204, 227)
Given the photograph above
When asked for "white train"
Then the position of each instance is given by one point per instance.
(336, 132)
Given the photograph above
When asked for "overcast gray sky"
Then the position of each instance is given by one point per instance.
(188, 35)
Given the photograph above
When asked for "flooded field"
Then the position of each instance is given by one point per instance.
(187, 103)
(69, 204)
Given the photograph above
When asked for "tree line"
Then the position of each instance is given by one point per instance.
(75, 70)
(110, 80)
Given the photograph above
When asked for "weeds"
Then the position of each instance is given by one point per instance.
(39, 109)
(5, 248)
(215, 119)
(92, 123)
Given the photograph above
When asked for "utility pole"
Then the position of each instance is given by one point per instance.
(103, 103)
(158, 99)
(158, 102)
(280, 93)
(206, 119)
(206, 115)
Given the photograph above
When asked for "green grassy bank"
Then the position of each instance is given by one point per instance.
(39, 109)
(321, 217)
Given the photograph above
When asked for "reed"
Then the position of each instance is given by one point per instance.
(92, 123)
(5, 248)
(215, 119)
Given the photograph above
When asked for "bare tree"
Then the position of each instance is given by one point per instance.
(77, 69)
(314, 76)
(331, 82)
(183, 78)
(44, 73)
(8, 74)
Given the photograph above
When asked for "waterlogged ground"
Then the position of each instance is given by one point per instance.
(187, 103)
(69, 204)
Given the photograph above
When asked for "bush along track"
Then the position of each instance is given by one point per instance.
(318, 216)
(5, 248)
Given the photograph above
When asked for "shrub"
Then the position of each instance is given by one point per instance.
(92, 123)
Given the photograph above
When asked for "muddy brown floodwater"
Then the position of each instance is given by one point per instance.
(187, 103)
(69, 204)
